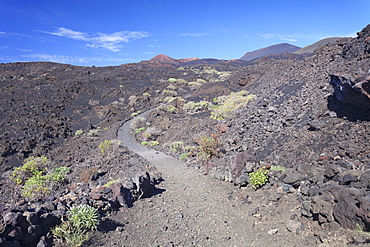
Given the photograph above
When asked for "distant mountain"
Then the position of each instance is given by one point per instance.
(270, 50)
(169, 60)
(166, 61)
(310, 48)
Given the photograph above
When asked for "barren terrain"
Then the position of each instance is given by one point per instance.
(151, 192)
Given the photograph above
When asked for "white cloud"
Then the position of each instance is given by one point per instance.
(351, 35)
(286, 37)
(7, 34)
(296, 37)
(102, 40)
(25, 50)
(74, 60)
(291, 40)
(68, 33)
(192, 34)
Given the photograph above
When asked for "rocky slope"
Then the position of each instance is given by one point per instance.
(297, 122)
(311, 48)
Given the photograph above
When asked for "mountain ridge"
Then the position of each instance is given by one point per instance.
(270, 50)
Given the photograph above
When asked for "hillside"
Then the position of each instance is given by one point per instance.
(270, 50)
(163, 60)
(310, 48)
(164, 152)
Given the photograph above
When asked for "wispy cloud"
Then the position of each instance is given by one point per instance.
(74, 59)
(68, 33)
(296, 37)
(192, 34)
(110, 42)
(7, 34)
(285, 37)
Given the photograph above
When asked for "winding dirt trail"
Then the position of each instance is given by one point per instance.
(194, 210)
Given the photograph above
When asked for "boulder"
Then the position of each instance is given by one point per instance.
(144, 187)
(352, 92)
(346, 210)
(241, 162)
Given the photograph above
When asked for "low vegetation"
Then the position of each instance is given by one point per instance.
(227, 104)
(258, 178)
(176, 147)
(104, 146)
(209, 146)
(35, 179)
(75, 227)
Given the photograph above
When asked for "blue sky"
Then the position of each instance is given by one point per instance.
(114, 32)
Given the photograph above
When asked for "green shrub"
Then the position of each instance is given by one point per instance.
(140, 129)
(230, 103)
(39, 184)
(194, 84)
(74, 229)
(208, 147)
(183, 156)
(277, 168)
(176, 147)
(32, 166)
(93, 132)
(36, 186)
(84, 217)
(147, 135)
(168, 108)
(172, 87)
(258, 178)
(172, 80)
(193, 107)
(153, 143)
(59, 174)
(104, 146)
(144, 143)
(181, 81)
(79, 132)
(201, 81)
(134, 114)
(32, 175)
(169, 92)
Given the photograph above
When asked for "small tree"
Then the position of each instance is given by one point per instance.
(209, 146)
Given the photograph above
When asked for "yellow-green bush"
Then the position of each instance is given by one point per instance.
(168, 108)
(181, 81)
(194, 84)
(32, 166)
(171, 87)
(169, 92)
(34, 178)
(230, 103)
(177, 147)
(104, 146)
(201, 81)
(258, 178)
(193, 107)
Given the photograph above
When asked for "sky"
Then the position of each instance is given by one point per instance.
(114, 32)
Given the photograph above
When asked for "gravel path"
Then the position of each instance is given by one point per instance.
(195, 210)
